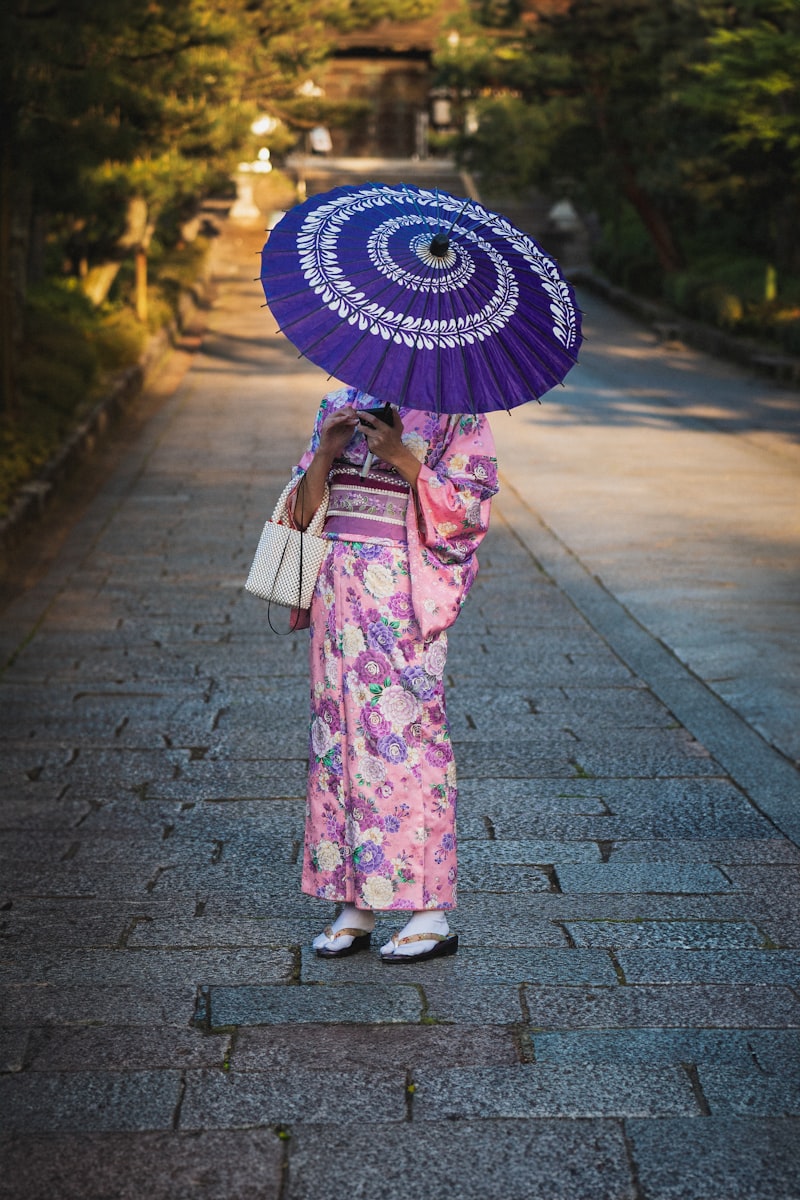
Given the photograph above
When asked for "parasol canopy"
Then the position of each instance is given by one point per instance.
(421, 298)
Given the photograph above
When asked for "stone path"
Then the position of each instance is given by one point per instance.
(623, 1020)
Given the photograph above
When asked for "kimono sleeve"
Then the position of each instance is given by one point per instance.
(454, 496)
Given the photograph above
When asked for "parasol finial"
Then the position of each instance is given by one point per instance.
(439, 246)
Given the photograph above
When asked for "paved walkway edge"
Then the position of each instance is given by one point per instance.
(768, 779)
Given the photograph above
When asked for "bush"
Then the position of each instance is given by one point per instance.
(70, 348)
(625, 253)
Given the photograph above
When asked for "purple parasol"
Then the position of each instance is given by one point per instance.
(421, 298)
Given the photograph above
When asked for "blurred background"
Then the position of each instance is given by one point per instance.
(655, 141)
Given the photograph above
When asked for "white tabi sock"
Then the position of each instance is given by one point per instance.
(349, 918)
(430, 920)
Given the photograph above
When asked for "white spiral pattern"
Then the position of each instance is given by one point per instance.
(318, 244)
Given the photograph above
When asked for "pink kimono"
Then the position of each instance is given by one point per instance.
(381, 801)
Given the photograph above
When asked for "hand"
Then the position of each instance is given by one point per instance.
(337, 430)
(386, 442)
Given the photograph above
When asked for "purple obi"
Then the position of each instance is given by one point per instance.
(367, 510)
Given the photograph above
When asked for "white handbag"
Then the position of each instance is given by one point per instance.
(288, 560)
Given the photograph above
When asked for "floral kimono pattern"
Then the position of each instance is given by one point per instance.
(381, 800)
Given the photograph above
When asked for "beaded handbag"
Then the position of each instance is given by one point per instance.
(288, 560)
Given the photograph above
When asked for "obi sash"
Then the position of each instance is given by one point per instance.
(367, 510)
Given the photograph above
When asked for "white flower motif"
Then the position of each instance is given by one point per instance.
(399, 706)
(377, 891)
(457, 463)
(322, 739)
(352, 641)
(435, 659)
(416, 444)
(378, 580)
(421, 836)
(373, 834)
(358, 689)
(328, 856)
(372, 769)
(446, 528)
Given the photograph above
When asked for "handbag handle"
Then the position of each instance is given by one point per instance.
(281, 515)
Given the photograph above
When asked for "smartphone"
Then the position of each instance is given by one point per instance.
(385, 414)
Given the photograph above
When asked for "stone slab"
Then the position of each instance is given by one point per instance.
(234, 1165)
(217, 932)
(650, 935)
(472, 855)
(237, 1100)
(711, 966)
(155, 967)
(751, 1092)
(708, 850)
(678, 1006)
(346, 1004)
(94, 1101)
(118, 1048)
(515, 1160)
(669, 878)
(720, 1158)
(553, 1090)
(660, 1046)
(502, 879)
(25, 1005)
(284, 1048)
(469, 1004)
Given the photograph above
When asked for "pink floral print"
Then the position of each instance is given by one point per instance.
(382, 796)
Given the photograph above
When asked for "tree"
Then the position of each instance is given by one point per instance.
(117, 117)
(745, 88)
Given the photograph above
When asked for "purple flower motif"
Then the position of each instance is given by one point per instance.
(368, 857)
(334, 760)
(419, 682)
(484, 471)
(328, 712)
(448, 841)
(401, 607)
(371, 666)
(374, 722)
(380, 636)
(391, 823)
(392, 747)
(370, 551)
(438, 755)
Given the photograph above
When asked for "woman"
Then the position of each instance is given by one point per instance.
(404, 526)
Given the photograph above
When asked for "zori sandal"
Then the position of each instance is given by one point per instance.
(360, 942)
(446, 944)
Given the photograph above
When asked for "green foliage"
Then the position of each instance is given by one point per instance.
(69, 351)
(512, 145)
(675, 124)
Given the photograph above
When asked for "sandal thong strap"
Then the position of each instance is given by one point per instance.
(419, 937)
(329, 933)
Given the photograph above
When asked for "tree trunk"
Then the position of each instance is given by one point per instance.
(7, 316)
(15, 225)
(98, 280)
(653, 220)
(141, 285)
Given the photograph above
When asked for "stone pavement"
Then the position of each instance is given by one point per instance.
(623, 1019)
